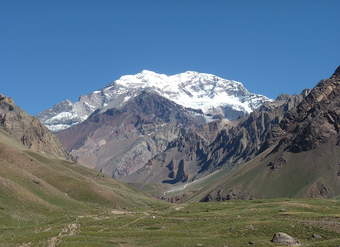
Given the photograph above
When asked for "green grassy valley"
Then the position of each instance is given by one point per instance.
(170, 123)
(45, 201)
(49, 199)
(234, 223)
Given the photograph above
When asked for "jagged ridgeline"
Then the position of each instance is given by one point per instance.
(122, 128)
(287, 148)
(209, 95)
(238, 145)
(28, 130)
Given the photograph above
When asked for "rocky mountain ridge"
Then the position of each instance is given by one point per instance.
(28, 130)
(182, 159)
(193, 155)
(211, 95)
(149, 139)
(300, 156)
(120, 141)
(316, 119)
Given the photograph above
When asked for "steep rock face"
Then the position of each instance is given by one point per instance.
(302, 159)
(313, 173)
(119, 141)
(203, 150)
(182, 159)
(206, 93)
(28, 130)
(251, 135)
(179, 162)
(316, 119)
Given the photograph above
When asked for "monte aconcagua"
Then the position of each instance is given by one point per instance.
(209, 95)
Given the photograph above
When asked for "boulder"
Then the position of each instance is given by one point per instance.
(316, 236)
(284, 239)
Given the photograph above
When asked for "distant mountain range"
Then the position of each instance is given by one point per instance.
(161, 134)
(209, 95)
(121, 128)
(287, 147)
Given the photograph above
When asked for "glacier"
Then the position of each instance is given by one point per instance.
(207, 93)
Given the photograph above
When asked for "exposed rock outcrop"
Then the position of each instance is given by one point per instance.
(252, 135)
(120, 141)
(292, 148)
(27, 129)
(316, 119)
(219, 144)
(285, 239)
(227, 195)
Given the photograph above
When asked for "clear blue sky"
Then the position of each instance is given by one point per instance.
(52, 50)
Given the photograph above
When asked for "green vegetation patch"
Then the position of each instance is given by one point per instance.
(232, 223)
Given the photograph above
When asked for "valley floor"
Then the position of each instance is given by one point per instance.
(232, 223)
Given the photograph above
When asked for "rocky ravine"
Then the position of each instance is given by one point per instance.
(183, 159)
(201, 151)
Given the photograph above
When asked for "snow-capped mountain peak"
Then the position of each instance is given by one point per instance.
(209, 93)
